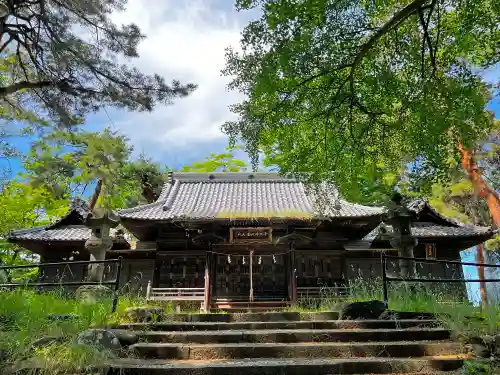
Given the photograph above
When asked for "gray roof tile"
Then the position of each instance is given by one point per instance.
(419, 205)
(60, 230)
(77, 207)
(429, 230)
(71, 233)
(245, 196)
(67, 233)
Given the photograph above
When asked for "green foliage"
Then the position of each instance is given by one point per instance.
(140, 182)
(224, 162)
(68, 163)
(67, 60)
(22, 206)
(456, 197)
(350, 91)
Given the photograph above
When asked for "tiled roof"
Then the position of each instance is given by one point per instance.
(68, 233)
(77, 207)
(419, 205)
(427, 230)
(70, 227)
(235, 196)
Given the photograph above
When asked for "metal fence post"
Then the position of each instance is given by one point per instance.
(384, 279)
(117, 285)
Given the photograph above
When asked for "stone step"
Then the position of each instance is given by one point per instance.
(246, 306)
(296, 350)
(318, 324)
(292, 336)
(248, 317)
(266, 366)
(272, 316)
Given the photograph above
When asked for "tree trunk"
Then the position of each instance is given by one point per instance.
(483, 190)
(480, 271)
(481, 187)
(97, 193)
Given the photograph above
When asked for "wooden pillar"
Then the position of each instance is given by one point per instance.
(208, 280)
(251, 251)
(156, 272)
(292, 273)
(344, 267)
(213, 274)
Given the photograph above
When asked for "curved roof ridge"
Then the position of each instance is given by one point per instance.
(433, 230)
(78, 206)
(139, 208)
(418, 204)
(228, 176)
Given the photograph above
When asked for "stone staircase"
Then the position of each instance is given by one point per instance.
(288, 343)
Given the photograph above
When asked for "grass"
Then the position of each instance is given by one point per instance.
(24, 320)
(447, 301)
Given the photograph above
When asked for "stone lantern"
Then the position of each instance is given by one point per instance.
(400, 218)
(100, 222)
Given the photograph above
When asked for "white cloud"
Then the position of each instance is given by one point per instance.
(186, 40)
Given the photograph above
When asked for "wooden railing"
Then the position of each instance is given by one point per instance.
(321, 292)
(174, 294)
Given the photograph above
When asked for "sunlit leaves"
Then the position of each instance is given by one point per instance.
(223, 162)
(24, 206)
(313, 106)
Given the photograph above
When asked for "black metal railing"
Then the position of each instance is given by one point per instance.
(115, 283)
(387, 279)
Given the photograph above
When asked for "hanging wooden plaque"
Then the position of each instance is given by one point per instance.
(430, 251)
(249, 235)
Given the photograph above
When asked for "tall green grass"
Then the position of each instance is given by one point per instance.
(24, 320)
(448, 301)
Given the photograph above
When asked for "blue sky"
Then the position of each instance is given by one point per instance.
(186, 40)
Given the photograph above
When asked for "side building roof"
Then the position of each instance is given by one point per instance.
(431, 224)
(70, 228)
(254, 196)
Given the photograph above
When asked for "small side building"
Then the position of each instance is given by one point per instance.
(64, 240)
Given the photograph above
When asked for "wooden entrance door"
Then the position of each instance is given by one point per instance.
(269, 277)
(232, 277)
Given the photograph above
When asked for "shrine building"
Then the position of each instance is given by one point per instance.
(244, 237)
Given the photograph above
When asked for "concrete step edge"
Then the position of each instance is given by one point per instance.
(272, 366)
(292, 331)
(285, 322)
(298, 350)
(299, 344)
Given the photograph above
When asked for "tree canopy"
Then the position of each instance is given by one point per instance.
(23, 206)
(222, 162)
(101, 164)
(70, 58)
(353, 91)
(68, 164)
